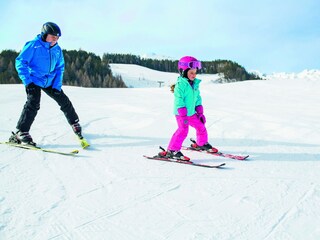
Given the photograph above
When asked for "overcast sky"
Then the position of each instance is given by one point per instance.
(269, 36)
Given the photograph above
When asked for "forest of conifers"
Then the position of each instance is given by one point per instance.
(90, 70)
(81, 69)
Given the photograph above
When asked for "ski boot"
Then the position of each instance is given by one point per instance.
(23, 138)
(206, 147)
(174, 155)
(76, 127)
(177, 155)
(77, 130)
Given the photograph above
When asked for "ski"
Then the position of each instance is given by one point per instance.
(219, 154)
(31, 147)
(184, 162)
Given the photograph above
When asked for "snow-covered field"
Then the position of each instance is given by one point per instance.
(111, 192)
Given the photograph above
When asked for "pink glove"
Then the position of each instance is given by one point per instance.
(199, 110)
(182, 117)
(182, 111)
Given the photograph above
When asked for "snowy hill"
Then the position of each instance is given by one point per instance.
(111, 192)
(141, 77)
(309, 75)
(155, 56)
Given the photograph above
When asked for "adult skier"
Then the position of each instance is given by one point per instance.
(40, 66)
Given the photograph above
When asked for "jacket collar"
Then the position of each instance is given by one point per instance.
(45, 44)
(196, 81)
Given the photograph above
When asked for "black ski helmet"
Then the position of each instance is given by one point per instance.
(50, 28)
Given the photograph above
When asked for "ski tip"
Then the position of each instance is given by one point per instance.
(242, 158)
(75, 151)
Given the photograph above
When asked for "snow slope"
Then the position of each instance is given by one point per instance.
(141, 77)
(111, 192)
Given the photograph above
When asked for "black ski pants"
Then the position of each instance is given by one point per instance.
(32, 106)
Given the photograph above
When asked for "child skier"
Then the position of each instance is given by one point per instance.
(188, 110)
(40, 66)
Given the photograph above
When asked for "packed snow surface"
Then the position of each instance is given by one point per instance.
(111, 192)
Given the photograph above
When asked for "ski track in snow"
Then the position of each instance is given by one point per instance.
(291, 212)
(111, 192)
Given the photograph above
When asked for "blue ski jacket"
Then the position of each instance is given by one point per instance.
(41, 64)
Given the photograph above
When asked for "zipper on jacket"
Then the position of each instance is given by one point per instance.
(193, 92)
(49, 51)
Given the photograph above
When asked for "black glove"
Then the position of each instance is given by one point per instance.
(31, 88)
(56, 92)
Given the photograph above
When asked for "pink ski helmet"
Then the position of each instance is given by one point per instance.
(188, 62)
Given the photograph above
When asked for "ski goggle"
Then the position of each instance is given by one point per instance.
(192, 64)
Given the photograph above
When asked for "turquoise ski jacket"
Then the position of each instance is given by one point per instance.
(41, 64)
(186, 95)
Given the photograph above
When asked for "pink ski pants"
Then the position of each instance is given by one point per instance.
(182, 132)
